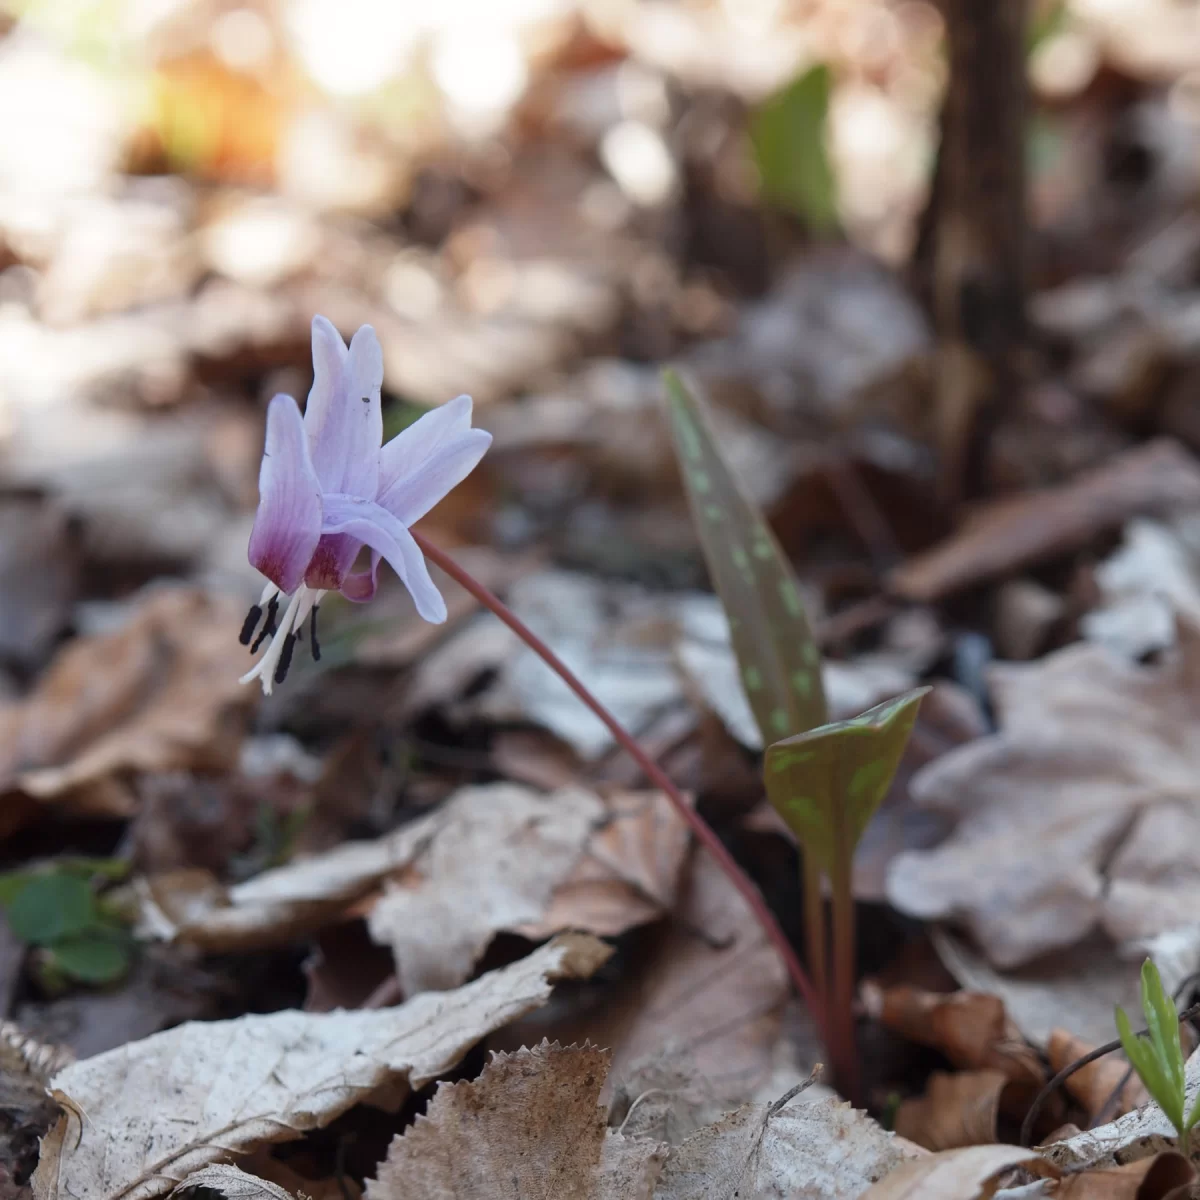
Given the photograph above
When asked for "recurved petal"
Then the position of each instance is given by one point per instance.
(410, 497)
(287, 525)
(411, 448)
(345, 423)
(373, 525)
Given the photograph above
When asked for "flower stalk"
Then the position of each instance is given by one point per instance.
(704, 832)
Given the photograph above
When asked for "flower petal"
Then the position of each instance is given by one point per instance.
(344, 420)
(331, 561)
(287, 525)
(411, 448)
(373, 525)
(412, 496)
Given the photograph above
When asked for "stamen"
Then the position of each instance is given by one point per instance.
(316, 649)
(265, 668)
(269, 629)
(250, 624)
(285, 659)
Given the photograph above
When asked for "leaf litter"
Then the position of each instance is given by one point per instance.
(445, 795)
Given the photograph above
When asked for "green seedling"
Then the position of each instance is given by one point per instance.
(56, 910)
(825, 780)
(1158, 1057)
(788, 136)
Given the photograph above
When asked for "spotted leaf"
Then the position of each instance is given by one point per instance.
(828, 782)
(778, 658)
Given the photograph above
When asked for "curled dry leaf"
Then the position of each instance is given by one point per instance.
(971, 1029)
(1166, 1176)
(1105, 1087)
(1088, 981)
(159, 1109)
(960, 1109)
(156, 695)
(529, 1125)
(1137, 1135)
(492, 858)
(233, 1183)
(822, 1150)
(966, 1174)
(1095, 766)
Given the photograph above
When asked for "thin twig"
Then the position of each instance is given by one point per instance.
(702, 830)
(1036, 1107)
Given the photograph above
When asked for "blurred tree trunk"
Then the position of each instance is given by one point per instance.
(975, 234)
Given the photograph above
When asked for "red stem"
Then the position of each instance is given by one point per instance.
(703, 831)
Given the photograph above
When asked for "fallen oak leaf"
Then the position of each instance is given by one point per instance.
(968, 1173)
(161, 1108)
(529, 1125)
(1095, 765)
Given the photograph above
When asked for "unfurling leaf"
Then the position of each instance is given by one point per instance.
(778, 658)
(788, 133)
(1158, 1058)
(828, 782)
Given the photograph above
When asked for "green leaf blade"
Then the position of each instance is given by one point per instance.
(778, 658)
(1162, 1020)
(51, 906)
(788, 137)
(91, 957)
(827, 783)
(1145, 1061)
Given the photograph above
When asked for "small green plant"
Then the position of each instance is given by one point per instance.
(80, 938)
(788, 138)
(1158, 1057)
(824, 779)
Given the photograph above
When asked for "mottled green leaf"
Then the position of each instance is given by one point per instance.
(91, 957)
(51, 906)
(828, 782)
(779, 660)
(788, 136)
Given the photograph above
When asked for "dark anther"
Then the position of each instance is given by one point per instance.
(316, 649)
(285, 659)
(270, 627)
(250, 624)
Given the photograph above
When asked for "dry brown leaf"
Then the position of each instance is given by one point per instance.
(494, 857)
(529, 1125)
(703, 998)
(1137, 1135)
(233, 1183)
(821, 1150)
(965, 1174)
(628, 873)
(1095, 766)
(971, 1029)
(1166, 1176)
(1105, 1086)
(491, 858)
(1034, 526)
(159, 1109)
(1088, 981)
(158, 694)
(960, 1109)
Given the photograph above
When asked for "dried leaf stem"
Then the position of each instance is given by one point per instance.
(703, 831)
